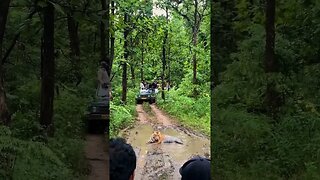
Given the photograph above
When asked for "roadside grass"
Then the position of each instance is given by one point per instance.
(190, 112)
(122, 115)
(147, 107)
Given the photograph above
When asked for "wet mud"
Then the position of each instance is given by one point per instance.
(162, 161)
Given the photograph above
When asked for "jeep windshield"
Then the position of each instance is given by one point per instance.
(145, 92)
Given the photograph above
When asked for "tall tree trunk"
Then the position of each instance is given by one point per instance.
(169, 68)
(194, 57)
(142, 56)
(105, 33)
(164, 56)
(168, 60)
(214, 44)
(4, 112)
(124, 64)
(214, 80)
(112, 38)
(74, 47)
(108, 36)
(95, 42)
(103, 50)
(154, 73)
(273, 98)
(194, 60)
(47, 70)
(132, 54)
(4, 8)
(104, 53)
(163, 65)
(132, 75)
(195, 30)
(102, 42)
(270, 63)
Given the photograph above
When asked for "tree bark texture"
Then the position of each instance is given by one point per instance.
(132, 74)
(124, 64)
(108, 36)
(164, 44)
(4, 8)
(4, 112)
(112, 37)
(74, 47)
(214, 43)
(273, 98)
(47, 71)
(195, 31)
(95, 42)
(103, 52)
(169, 67)
(213, 77)
(105, 34)
(142, 59)
(270, 63)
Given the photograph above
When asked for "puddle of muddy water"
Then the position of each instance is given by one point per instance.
(140, 134)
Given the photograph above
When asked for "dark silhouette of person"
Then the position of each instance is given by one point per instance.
(122, 160)
(153, 86)
(104, 81)
(197, 168)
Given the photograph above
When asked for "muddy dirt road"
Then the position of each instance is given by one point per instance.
(162, 161)
(96, 153)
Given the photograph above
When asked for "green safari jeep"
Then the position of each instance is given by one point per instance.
(97, 116)
(147, 95)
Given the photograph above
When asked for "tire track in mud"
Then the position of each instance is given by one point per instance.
(142, 115)
(164, 120)
(168, 121)
(162, 161)
(142, 118)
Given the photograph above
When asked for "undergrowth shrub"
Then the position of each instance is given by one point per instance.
(255, 149)
(71, 152)
(186, 87)
(25, 97)
(68, 142)
(30, 160)
(121, 115)
(69, 111)
(191, 112)
(27, 154)
(25, 127)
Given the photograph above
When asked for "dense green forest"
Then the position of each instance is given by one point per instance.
(266, 62)
(50, 54)
(170, 48)
(264, 71)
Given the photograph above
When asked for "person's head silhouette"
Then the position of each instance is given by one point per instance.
(195, 169)
(122, 160)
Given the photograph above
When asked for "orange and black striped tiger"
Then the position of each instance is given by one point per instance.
(159, 138)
